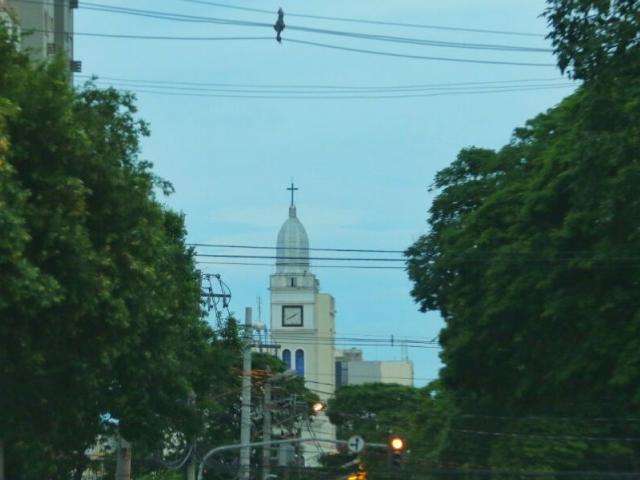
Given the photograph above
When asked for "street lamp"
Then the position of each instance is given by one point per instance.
(318, 407)
(396, 443)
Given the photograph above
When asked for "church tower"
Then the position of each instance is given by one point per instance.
(303, 324)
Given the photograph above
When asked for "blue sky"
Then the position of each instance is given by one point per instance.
(362, 166)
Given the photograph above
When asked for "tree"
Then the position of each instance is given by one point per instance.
(100, 298)
(374, 411)
(593, 37)
(531, 259)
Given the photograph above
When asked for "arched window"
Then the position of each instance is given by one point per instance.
(286, 358)
(300, 362)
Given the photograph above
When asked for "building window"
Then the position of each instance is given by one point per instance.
(292, 282)
(342, 373)
(286, 358)
(300, 362)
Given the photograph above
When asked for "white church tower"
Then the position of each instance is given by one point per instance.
(303, 324)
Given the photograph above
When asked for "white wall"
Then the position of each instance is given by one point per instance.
(361, 372)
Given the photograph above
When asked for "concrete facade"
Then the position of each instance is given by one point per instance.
(352, 369)
(46, 26)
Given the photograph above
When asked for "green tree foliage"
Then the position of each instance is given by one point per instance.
(595, 37)
(532, 260)
(374, 410)
(99, 296)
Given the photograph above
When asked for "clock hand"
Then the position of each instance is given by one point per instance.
(294, 315)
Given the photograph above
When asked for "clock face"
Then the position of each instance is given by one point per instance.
(292, 316)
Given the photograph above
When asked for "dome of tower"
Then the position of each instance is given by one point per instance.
(292, 254)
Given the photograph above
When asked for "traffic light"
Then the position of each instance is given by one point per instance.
(397, 446)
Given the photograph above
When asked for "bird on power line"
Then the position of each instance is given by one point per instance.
(279, 26)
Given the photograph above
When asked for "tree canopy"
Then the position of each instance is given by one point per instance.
(100, 298)
(532, 259)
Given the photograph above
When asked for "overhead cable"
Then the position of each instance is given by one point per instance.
(314, 92)
(270, 86)
(549, 437)
(420, 41)
(336, 97)
(353, 267)
(285, 257)
(417, 57)
(264, 247)
(169, 37)
(386, 38)
(371, 22)
(365, 36)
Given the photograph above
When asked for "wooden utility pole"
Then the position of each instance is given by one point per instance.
(123, 462)
(266, 428)
(245, 415)
(191, 469)
(1, 459)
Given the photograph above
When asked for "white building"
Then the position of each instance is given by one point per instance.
(352, 369)
(303, 324)
(47, 28)
(6, 17)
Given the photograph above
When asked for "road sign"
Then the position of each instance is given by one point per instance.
(355, 444)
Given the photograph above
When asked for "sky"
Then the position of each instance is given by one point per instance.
(363, 166)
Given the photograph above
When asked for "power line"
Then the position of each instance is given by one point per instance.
(264, 247)
(166, 37)
(376, 376)
(382, 38)
(365, 36)
(486, 258)
(417, 57)
(611, 420)
(356, 88)
(395, 341)
(317, 90)
(372, 22)
(552, 418)
(350, 343)
(353, 267)
(421, 41)
(386, 38)
(155, 14)
(295, 93)
(284, 257)
(549, 437)
(335, 97)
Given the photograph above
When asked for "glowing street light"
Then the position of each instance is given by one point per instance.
(396, 443)
(318, 407)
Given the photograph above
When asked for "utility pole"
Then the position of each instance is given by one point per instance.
(191, 470)
(245, 419)
(266, 428)
(123, 462)
(191, 463)
(1, 459)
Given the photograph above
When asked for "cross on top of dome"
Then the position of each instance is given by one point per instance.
(292, 189)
